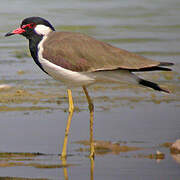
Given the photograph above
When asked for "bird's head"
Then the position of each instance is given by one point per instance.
(32, 26)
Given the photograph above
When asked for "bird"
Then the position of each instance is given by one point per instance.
(79, 60)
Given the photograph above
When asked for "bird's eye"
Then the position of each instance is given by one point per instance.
(30, 26)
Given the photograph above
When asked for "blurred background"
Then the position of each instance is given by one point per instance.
(33, 107)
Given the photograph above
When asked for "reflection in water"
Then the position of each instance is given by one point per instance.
(64, 163)
(92, 169)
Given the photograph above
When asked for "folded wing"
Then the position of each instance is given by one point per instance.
(81, 53)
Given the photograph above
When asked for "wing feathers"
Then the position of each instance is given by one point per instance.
(79, 52)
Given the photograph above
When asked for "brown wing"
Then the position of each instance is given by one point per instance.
(79, 52)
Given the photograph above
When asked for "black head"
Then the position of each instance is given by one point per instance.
(32, 26)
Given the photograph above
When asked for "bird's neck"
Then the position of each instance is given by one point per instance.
(33, 47)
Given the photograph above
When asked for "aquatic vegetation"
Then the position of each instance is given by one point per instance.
(106, 147)
(14, 159)
(21, 178)
(157, 156)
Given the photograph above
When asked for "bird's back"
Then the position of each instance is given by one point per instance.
(79, 52)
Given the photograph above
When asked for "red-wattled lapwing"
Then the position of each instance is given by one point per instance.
(79, 60)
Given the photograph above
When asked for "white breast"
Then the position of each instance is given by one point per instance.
(70, 78)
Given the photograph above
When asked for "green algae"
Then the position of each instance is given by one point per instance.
(156, 156)
(22, 108)
(166, 144)
(35, 165)
(18, 154)
(106, 147)
(20, 178)
(19, 96)
(11, 96)
(14, 159)
(47, 166)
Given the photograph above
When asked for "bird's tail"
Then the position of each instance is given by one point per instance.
(152, 85)
(126, 77)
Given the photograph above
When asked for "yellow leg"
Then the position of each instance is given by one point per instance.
(91, 109)
(71, 110)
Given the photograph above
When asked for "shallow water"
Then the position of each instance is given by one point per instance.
(33, 111)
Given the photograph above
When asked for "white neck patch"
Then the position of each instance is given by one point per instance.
(42, 29)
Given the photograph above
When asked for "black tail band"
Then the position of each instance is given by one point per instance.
(152, 85)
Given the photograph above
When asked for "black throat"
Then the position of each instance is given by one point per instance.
(33, 46)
